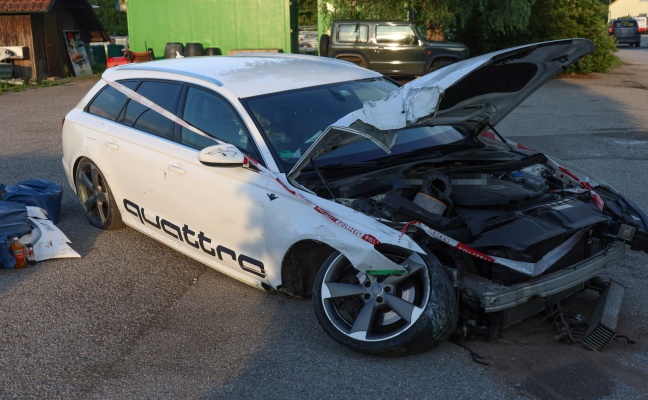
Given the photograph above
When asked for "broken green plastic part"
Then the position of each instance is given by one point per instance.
(381, 272)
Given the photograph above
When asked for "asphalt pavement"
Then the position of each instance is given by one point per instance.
(133, 318)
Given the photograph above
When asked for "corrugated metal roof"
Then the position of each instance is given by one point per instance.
(25, 6)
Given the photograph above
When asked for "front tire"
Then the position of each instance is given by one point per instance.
(95, 196)
(391, 315)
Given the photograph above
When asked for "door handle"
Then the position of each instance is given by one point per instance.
(178, 170)
(112, 145)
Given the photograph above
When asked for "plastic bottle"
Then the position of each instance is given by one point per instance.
(19, 252)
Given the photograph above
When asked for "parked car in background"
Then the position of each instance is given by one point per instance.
(389, 47)
(308, 42)
(625, 31)
(641, 21)
(400, 209)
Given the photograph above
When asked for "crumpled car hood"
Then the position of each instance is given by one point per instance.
(468, 93)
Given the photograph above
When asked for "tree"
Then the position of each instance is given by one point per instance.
(488, 25)
(485, 18)
(113, 21)
(307, 12)
(429, 14)
(559, 19)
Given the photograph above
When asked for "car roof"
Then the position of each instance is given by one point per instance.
(251, 74)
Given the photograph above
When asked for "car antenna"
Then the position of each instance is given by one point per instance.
(498, 135)
(319, 173)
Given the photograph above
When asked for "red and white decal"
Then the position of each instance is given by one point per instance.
(531, 269)
(598, 200)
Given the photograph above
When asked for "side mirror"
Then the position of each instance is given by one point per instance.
(221, 155)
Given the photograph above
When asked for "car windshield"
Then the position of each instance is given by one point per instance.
(291, 121)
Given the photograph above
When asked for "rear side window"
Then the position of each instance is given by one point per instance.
(140, 117)
(401, 34)
(355, 33)
(109, 102)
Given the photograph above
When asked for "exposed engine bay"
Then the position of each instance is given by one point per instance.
(515, 205)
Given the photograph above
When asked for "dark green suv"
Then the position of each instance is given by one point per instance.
(389, 47)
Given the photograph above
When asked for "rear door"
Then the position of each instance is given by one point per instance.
(136, 144)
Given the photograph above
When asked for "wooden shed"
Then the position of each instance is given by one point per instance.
(39, 25)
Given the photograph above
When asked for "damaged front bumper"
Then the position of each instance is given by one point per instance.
(528, 298)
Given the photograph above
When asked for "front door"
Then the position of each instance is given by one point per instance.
(216, 211)
(397, 50)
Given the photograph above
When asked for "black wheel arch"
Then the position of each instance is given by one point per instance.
(300, 265)
(353, 54)
(439, 58)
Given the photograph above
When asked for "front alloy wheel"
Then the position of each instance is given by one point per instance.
(388, 315)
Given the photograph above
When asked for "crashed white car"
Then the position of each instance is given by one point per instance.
(400, 209)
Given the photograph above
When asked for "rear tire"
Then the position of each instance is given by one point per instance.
(391, 315)
(324, 45)
(95, 196)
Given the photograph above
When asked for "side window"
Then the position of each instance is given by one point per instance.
(353, 33)
(401, 34)
(138, 116)
(214, 116)
(109, 101)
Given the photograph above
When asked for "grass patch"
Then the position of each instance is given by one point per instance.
(6, 87)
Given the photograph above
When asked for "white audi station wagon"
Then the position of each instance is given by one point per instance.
(400, 209)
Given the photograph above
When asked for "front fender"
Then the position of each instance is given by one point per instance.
(292, 220)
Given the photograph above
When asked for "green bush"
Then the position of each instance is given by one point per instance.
(560, 19)
(552, 20)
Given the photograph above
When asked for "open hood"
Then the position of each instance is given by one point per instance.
(468, 93)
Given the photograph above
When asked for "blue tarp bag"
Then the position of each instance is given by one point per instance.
(13, 223)
(39, 193)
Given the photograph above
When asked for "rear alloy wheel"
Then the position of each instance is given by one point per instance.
(390, 315)
(95, 196)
